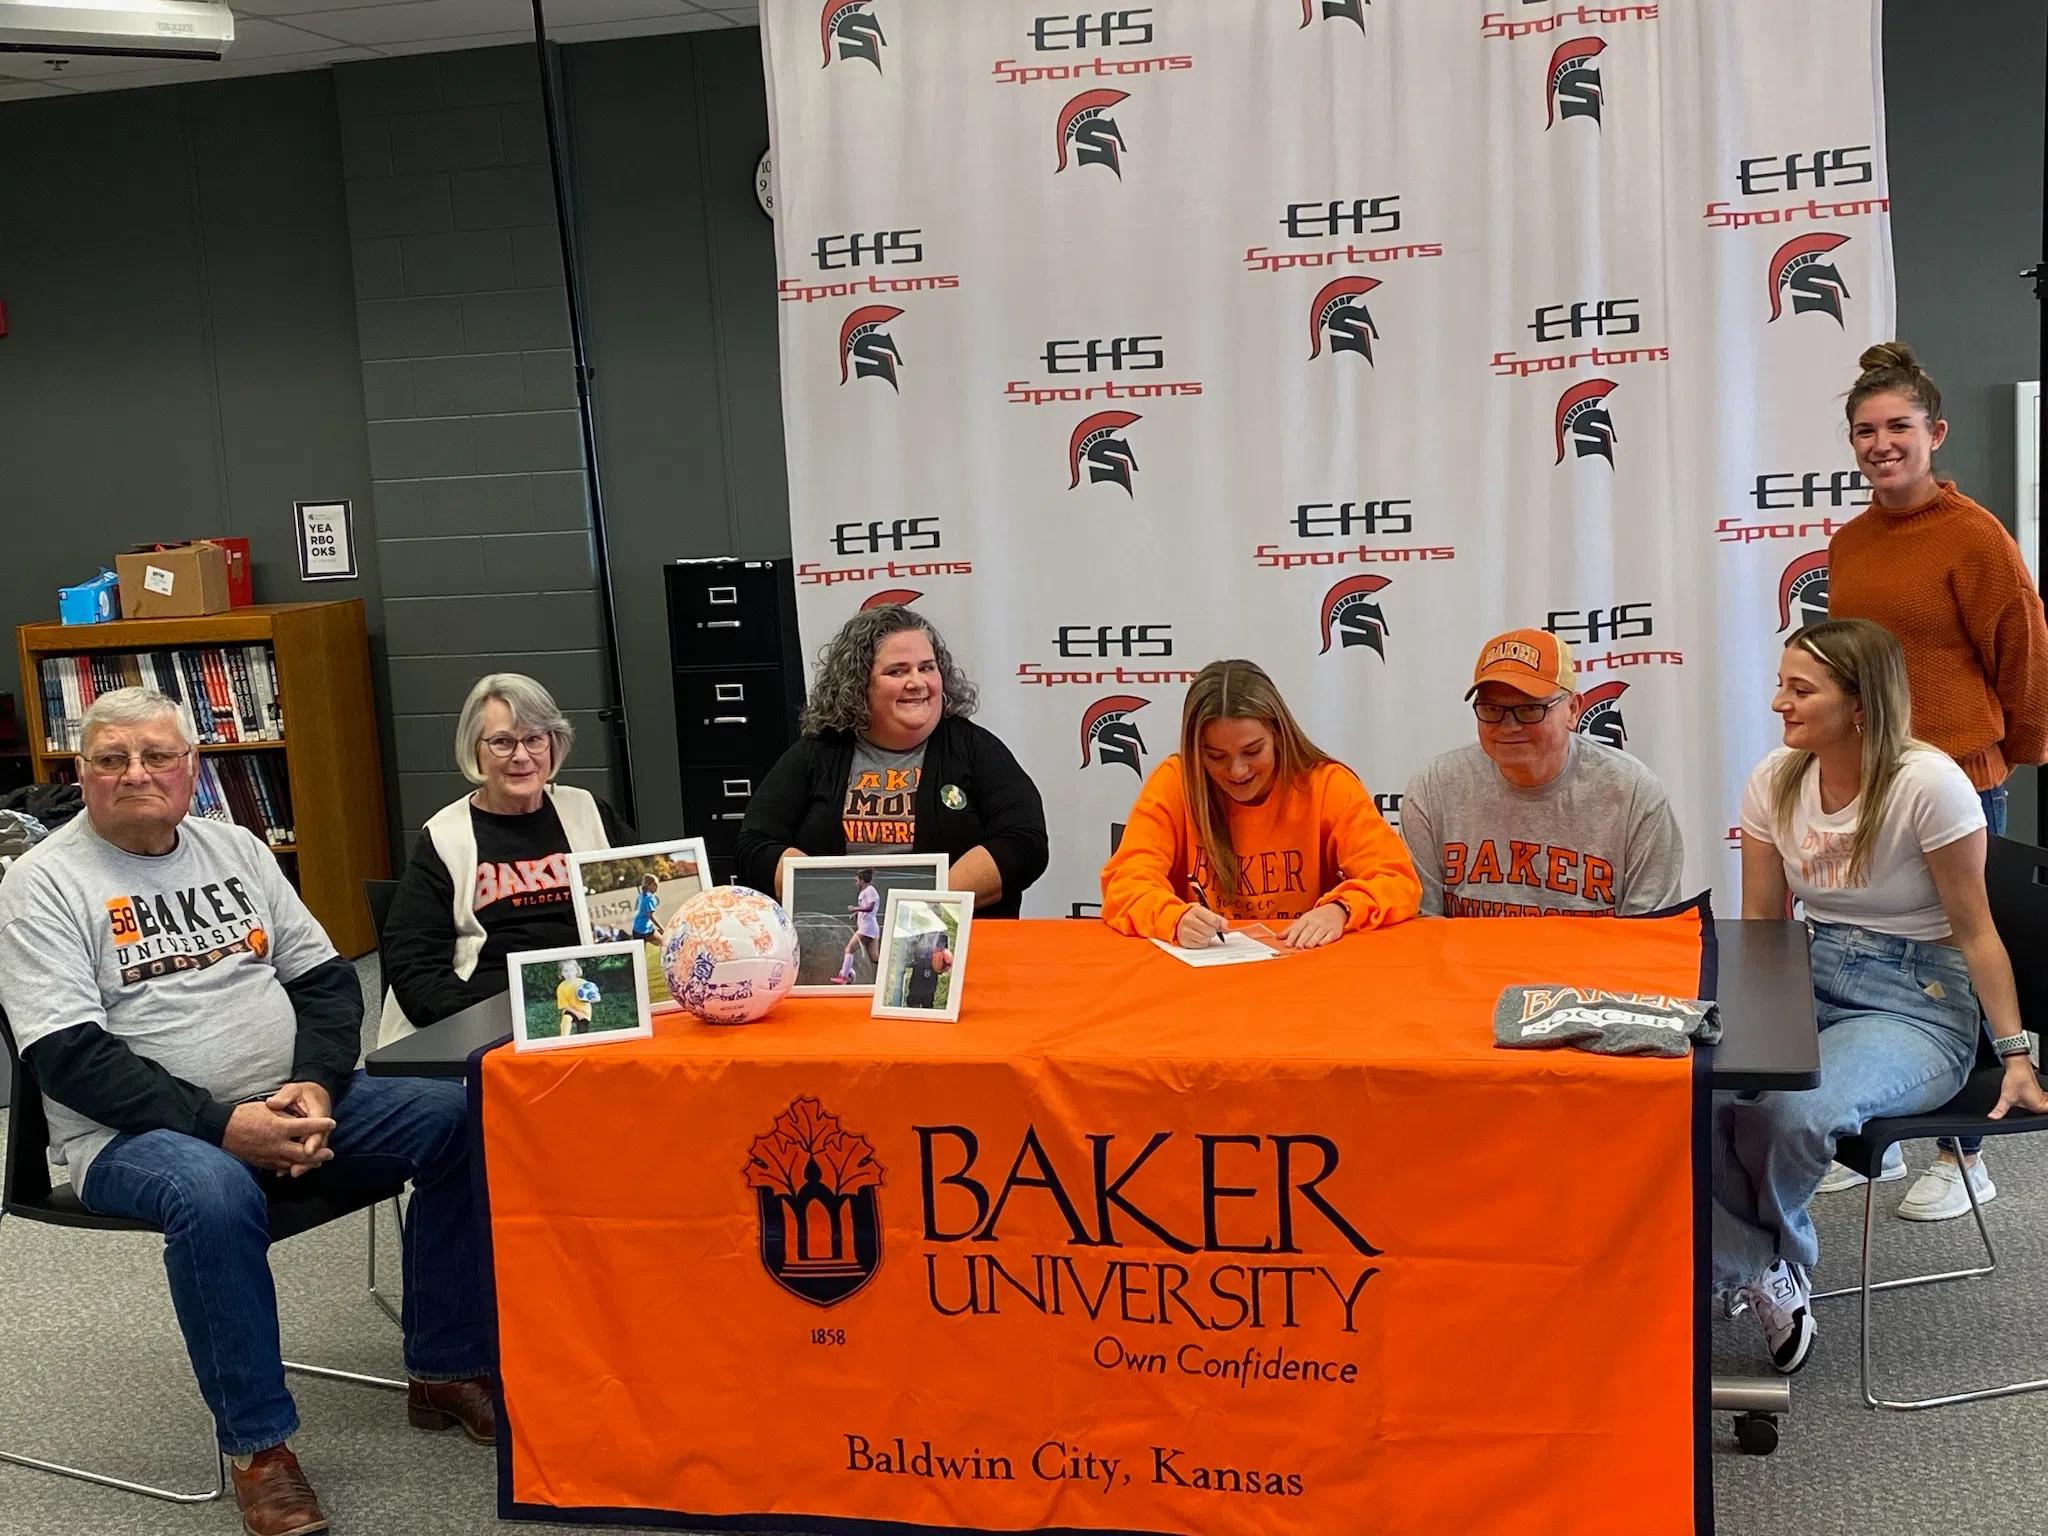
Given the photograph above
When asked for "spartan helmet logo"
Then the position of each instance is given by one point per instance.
(1574, 81)
(1582, 417)
(1339, 308)
(1350, 612)
(858, 34)
(1601, 717)
(1814, 283)
(1096, 138)
(1349, 10)
(1107, 455)
(1107, 732)
(814, 1186)
(1803, 591)
(870, 349)
(891, 597)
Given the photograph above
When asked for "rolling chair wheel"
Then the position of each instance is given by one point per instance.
(1756, 1433)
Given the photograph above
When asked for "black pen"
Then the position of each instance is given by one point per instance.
(1202, 901)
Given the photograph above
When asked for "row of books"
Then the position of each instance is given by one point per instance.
(250, 789)
(230, 690)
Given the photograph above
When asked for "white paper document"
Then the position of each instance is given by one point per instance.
(1236, 949)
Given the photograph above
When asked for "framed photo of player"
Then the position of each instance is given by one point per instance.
(631, 893)
(924, 955)
(836, 907)
(585, 995)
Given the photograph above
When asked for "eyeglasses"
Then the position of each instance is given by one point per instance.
(155, 760)
(505, 745)
(1527, 714)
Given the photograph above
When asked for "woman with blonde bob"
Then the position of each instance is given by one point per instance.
(1251, 820)
(1882, 838)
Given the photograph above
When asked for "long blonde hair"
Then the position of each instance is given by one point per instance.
(1235, 690)
(1865, 659)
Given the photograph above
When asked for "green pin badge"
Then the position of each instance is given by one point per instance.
(953, 797)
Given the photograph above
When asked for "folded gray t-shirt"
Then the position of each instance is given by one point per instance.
(1540, 1018)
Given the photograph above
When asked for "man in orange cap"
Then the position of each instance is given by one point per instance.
(1536, 819)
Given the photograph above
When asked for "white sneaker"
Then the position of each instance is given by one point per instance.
(1938, 1194)
(1841, 1177)
(1781, 1297)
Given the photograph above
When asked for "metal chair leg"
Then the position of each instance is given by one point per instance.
(147, 1490)
(1907, 1282)
(375, 1294)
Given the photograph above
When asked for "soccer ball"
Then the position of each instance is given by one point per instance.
(729, 955)
(586, 992)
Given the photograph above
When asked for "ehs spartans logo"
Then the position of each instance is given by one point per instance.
(1332, 10)
(1582, 417)
(859, 35)
(870, 349)
(1803, 591)
(1814, 283)
(1349, 610)
(815, 1197)
(1108, 456)
(1573, 85)
(891, 597)
(1339, 308)
(1106, 731)
(1601, 716)
(1095, 138)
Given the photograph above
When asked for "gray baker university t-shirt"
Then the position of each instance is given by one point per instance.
(183, 956)
(1599, 840)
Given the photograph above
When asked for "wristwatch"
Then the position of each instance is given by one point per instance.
(2012, 1045)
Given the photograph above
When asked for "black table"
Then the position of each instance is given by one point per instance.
(444, 1049)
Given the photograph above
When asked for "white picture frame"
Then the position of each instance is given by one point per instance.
(605, 887)
(816, 895)
(615, 972)
(912, 919)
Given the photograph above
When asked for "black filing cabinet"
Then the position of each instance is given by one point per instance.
(739, 687)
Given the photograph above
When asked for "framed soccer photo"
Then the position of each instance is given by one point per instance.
(836, 907)
(585, 995)
(924, 955)
(631, 893)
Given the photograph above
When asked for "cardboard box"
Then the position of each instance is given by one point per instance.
(181, 581)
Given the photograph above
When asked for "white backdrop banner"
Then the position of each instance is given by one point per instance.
(1336, 334)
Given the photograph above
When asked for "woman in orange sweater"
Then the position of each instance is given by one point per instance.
(1941, 574)
(1270, 828)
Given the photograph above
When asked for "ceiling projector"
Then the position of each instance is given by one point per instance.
(139, 29)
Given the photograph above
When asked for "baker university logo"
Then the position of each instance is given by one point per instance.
(869, 349)
(846, 26)
(1799, 267)
(1803, 592)
(814, 1184)
(1584, 422)
(1600, 717)
(1108, 732)
(1098, 443)
(1352, 616)
(1339, 309)
(1572, 88)
(1086, 127)
(1334, 10)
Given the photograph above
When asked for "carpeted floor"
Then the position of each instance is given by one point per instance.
(94, 1370)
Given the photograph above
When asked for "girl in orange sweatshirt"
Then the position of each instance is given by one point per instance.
(1265, 827)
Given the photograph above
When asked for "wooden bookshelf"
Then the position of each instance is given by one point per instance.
(332, 762)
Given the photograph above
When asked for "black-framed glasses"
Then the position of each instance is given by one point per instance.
(1527, 714)
(505, 744)
(112, 764)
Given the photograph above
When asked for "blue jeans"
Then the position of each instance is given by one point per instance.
(1993, 801)
(1888, 1046)
(213, 1212)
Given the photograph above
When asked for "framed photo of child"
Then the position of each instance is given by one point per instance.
(625, 894)
(924, 955)
(836, 907)
(585, 995)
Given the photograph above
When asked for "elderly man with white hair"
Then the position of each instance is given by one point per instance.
(194, 1036)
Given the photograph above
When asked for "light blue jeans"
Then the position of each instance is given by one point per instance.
(1898, 1022)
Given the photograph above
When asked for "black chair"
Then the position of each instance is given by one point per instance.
(27, 1191)
(379, 894)
(2016, 877)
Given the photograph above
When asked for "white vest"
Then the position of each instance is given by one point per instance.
(454, 838)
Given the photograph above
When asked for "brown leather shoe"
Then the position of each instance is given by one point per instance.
(444, 1404)
(275, 1497)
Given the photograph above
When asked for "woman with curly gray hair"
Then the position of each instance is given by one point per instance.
(890, 763)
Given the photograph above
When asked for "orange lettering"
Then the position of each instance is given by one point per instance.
(1485, 865)
(1522, 863)
(486, 885)
(1599, 880)
(1454, 863)
(1564, 862)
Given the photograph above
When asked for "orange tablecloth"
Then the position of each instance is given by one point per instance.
(1282, 1248)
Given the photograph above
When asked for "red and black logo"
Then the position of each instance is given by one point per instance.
(1339, 308)
(1349, 610)
(1096, 442)
(891, 597)
(858, 35)
(870, 349)
(1334, 10)
(1095, 137)
(1803, 591)
(814, 1186)
(1601, 715)
(1798, 267)
(1108, 732)
(1582, 416)
(1572, 88)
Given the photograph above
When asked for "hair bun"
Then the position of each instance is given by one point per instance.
(1887, 355)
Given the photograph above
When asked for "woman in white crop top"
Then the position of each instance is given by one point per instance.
(1882, 838)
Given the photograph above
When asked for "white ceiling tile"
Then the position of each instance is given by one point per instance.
(256, 38)
(23, 90)
(420, 21)
(287, 9)
(450, 44)
(650, 26)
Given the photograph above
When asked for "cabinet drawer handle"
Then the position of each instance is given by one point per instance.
(729, 693)
(722, 595)
(719, 624)
(729, 816)
(728, 720)
(736, 788)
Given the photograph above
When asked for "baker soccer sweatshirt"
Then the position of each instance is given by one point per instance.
(1320, 838)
